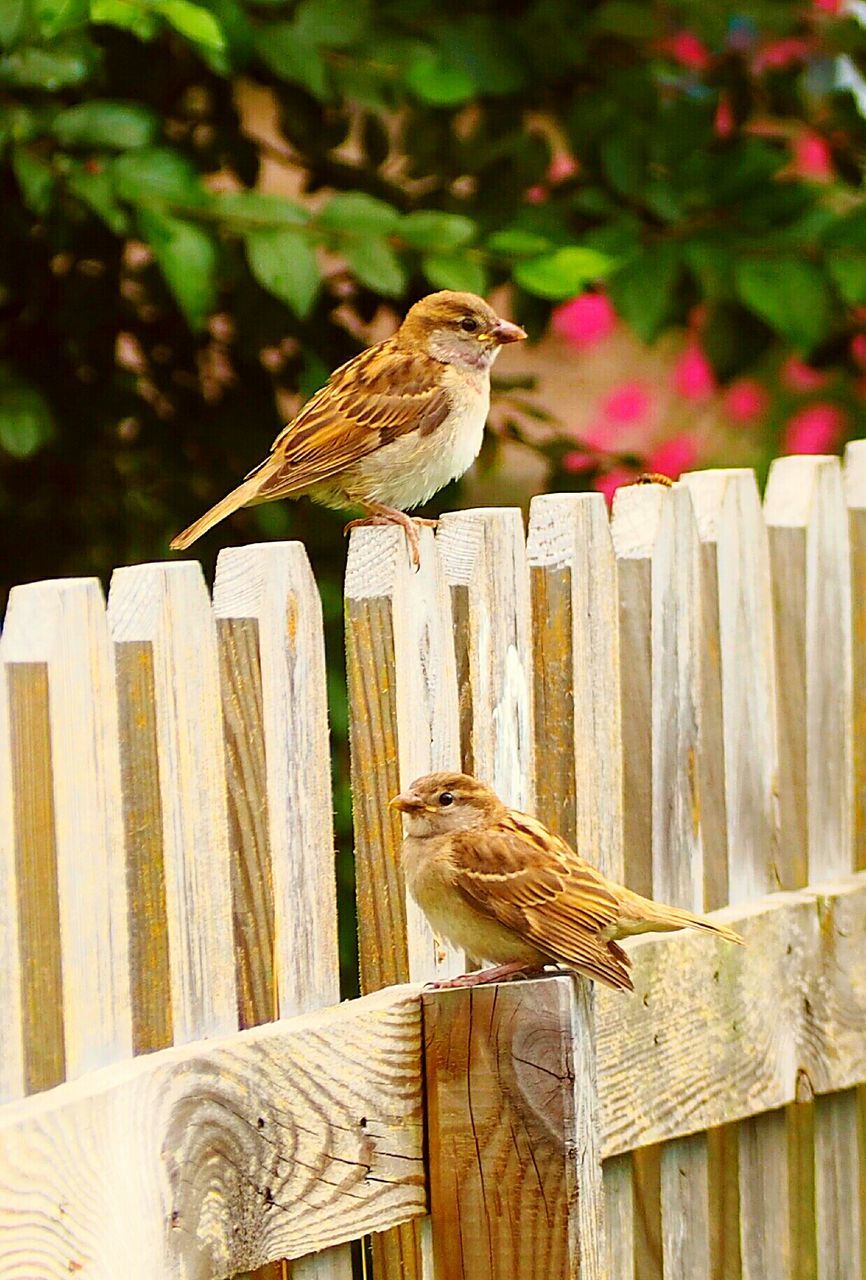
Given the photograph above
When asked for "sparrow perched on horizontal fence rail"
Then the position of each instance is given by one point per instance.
(391, 427)
(499, 885)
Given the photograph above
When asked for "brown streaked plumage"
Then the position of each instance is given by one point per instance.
(390, 427)
(498, 884)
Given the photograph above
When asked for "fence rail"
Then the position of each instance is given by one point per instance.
(680, 689)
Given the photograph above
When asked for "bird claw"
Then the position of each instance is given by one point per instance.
(407, 523)
(480, 977)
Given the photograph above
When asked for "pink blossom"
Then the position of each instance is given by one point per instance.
(673, 456)
(828, 6)
(611, 481)
(562, 167)
(746, 400)
(858, 348)
(811, 157)
(688, 50)
(536, 195)
(723, 124)
(780, 53)
(585, 320)
(578, 461)
(799, 376)
(693, 374)
(629, 402)
(816, 428)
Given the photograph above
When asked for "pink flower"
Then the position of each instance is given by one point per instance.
(811, 157)
(799, 376)
(723, 124)
(828, 6)
(780, 53)
(673, 456)
(688, 50)
(693, 374)
(611, 481)
(585, 320)
(746, 400)
(858, 349)
(816, 428)
(578, 461)
(536, 194)
(562, 167)
(629, 402)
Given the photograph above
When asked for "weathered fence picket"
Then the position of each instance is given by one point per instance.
(678, 689)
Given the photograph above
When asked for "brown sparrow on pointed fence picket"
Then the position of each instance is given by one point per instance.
(391, 427)
(499, 885)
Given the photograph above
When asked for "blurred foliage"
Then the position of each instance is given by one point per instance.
(153, 303)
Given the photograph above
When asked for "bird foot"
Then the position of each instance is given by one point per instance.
(409, 524)
(501, 973)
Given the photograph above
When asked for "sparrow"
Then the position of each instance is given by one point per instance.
(392, 426)
(498, 884)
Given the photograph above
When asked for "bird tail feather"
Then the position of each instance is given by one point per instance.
(647, 917)
(242, 496)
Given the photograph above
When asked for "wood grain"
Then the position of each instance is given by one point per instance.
(855, 495)
(12, 1042)
(205, 1160)
(808, 524)
(514, 1169)
(59, 630)
(571, 532)
(278, 771)
(166, 608)
(634, 1193)
(484, 557)
(403, 723)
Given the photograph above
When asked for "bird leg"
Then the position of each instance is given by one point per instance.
(501, 973)
(380, 514)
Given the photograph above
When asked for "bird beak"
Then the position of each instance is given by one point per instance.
(504, 331)
(408, 802)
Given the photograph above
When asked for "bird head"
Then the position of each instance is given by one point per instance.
(441, 803)
(457, 328)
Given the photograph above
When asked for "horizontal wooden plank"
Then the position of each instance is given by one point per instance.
(213, 1158)
(716, 1033)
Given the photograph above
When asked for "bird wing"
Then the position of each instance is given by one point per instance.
(534, 884)
(371, 400)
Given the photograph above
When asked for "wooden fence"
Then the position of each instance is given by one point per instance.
(681, 690)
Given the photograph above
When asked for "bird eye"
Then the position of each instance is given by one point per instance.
(468, 325)
(446, 798)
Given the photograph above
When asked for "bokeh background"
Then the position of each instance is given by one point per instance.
(208, 204)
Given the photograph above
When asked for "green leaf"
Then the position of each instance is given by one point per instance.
(26, 421)
(188, 258)
(790, 294)
(68, 62)
(55, 16)
(292, 58)
(35, 178)
(357, 212)
(376, 265)
(117, 125)
(626, 18)
(516, 243)
(192, 21)
(155, 174)
(848, 270)
(563, 273)
(258, 208)
(433, 80)
(712, 264)
(139, 18)
(284, 263)
(13, 21)
(642, 289)
(335, 23)
(624, 163)
(848, 232)
(455, 271)
(436, 232)
(96, 190)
